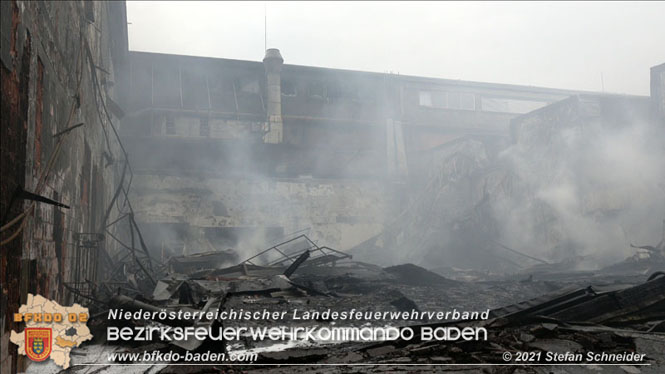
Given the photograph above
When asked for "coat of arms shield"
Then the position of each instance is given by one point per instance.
(38, 343)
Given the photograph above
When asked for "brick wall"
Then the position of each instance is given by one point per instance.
(44, 57)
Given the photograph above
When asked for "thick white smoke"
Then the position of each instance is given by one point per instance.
(592, 189)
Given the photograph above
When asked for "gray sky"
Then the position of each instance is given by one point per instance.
(551, 44)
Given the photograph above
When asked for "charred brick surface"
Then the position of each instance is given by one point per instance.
(47, 87)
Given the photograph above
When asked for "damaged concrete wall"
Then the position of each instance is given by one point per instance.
(447, 220)
(47, 88)
(582, 181)
(592, 166)
(246, 214)
(338, 164)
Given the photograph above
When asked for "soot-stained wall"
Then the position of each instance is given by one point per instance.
(49, 52)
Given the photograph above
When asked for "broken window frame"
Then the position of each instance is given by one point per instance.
(453, 100)
(169, 127)
(204, 127)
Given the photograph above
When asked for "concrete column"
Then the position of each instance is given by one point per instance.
(273, 62)
(658, 93)
(395, 149)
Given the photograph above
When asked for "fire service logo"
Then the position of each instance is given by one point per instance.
(39, 343)
(51, 330)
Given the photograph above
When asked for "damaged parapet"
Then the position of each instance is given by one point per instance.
(273, 62)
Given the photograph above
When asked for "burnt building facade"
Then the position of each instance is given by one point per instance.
(234, 152)
(60, 161)
(204, 154)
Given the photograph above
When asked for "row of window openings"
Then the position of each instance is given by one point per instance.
(432, 99)
(429, 99)
(436, 99)
(448, 100)
(321, 91)
(467, 101)
(204, 127)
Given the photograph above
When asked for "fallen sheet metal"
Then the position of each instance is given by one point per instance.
(202, 261)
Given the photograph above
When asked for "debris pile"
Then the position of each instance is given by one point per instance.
(625, 325)
(574, 312)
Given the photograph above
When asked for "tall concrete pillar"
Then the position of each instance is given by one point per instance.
(395, 149)
(658, 92)
(273, 62)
